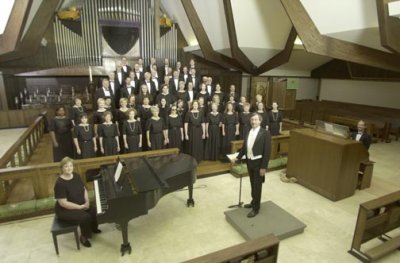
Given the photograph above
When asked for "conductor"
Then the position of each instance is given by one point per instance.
(257, 149)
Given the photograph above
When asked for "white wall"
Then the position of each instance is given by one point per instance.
(373, 93)
(308, 89)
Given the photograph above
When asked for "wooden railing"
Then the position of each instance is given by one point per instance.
(42, 177)
(264, 249)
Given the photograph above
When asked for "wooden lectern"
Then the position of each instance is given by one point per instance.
(325, 163)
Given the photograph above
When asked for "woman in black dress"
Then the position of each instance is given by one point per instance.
(132, 133)
(203, 93)
(144, 93)
(275, 117)
(244, 121)
(84, 139)
(76, 111)
(98, 116)
(181, 108)
(144, 114)
(156, 130)
(60, 128)
(216, 100)
(192, 94)
(195, 132)
(108, 136)
(218, 91)
(202, 107)
(73, 201)
(164, 109)
(264, 114)
(213, 134)
(120, 118)
(132, 102)
(175, 129)
(182, 93)
(240, 105)
(230, 128)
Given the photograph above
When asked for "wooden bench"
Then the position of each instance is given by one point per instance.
(376, 218)
(263, 249)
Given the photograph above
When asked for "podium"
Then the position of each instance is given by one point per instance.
(325, 163)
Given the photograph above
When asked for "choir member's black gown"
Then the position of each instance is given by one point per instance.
(144, 114)
(274, 120)
(265, 117)
(220, 95)
(174, 125)
(132, 130)
(156, 128)
(244, 125)
(84, 135)
(75, 114)
(164, 113)
(195, 145)
(205, 95)
(62, 128)
(213, 143)
(121, 117)
(230, 121)
(108, 132)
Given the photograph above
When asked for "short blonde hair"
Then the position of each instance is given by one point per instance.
(154, 109)
(65, 160)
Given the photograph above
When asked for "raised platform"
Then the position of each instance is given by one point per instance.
(271, 220)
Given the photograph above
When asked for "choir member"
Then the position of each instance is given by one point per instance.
(76, 111)
(164, 109)
(153, 62)
(115, 88)
(210, 87)
(231, 100)
(362, 136)
(192, 63)
(175, 129)
(141, 65)
(244, 121)
(178, 67)
(126, 69)
(174, 82)
(213, 133)
(216, 100)
(134, 84)
(275, 117)
(132, 133)
(98, 116)
(203, 93)
(194, 125)
(202, 107)
(230, 127)
(194, 79)
(259, 99)
(218, 91)
(120, 117)
(240, 105)
(166, 95)
(119, 75)
(232, 92)
(132, 102)
(105, 90)
(60, 128)
(191, 92)
(73, 203)
(108, 136)
(85, 139)
(182, 108)
(138, 76)
(182, 93)
(184, 75)
(144, 112)
(127, 90)
(156, 130)
(150, 84)
(155, 80)
(164, 71)
(144, 93)
(263, 114)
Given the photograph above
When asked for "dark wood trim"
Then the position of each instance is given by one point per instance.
(316, 43)
(236, 52)
(389, 27)
(31, 41)
(15, 26)
(282, 57)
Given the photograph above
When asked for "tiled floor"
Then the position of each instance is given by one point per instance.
(173, 233)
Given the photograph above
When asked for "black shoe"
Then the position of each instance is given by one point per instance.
(248, 206)
(252, 213)
(97, 231)
(85, 243)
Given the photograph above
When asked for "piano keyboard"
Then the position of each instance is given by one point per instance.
(101, 201)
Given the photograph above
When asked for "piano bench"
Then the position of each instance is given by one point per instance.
(60, 227)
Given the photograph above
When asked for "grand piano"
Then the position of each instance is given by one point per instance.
(131, 187)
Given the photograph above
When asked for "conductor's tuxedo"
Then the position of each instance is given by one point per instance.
(259, 159)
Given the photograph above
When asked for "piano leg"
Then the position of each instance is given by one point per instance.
(125, 246)
(190, 201)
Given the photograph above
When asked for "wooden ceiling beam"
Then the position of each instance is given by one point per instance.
(282, 57)
(236, 52)
(316, 43)
(389, 27)
(15, 26)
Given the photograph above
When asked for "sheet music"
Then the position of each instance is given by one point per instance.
(117, 174)
(233, 156)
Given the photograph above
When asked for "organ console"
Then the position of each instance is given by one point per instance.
(131, 187)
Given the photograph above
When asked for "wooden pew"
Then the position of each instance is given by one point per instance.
(375, 219)
(43, 176)
(263, 249)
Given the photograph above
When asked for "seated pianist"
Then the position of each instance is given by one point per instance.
(73, 202)
(361, 135)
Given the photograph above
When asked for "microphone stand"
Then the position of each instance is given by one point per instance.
(240, 203)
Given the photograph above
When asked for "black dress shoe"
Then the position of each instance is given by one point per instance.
(252, 213)
(248, 206)
(85, 243)
(97, 231)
